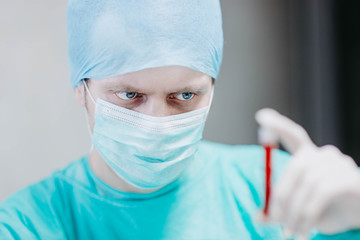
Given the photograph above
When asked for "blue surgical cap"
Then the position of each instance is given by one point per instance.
(112, 37)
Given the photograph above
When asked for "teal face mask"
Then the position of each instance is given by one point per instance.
(145, 151)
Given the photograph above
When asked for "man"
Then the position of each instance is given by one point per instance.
(144, 71)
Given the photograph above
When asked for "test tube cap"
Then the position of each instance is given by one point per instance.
(267, 136)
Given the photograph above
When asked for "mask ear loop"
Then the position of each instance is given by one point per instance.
(86, 114)
(212, 96)
(88, 91)
(210, 102)
(89, 131)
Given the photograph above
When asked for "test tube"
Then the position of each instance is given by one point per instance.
(269, 140)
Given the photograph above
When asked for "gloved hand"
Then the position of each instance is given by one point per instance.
(319, 188)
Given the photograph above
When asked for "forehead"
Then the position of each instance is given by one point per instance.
(167, 79)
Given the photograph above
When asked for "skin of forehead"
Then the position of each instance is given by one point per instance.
(162, 79)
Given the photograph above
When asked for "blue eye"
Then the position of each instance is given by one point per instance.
(185, 96)
(126, 95)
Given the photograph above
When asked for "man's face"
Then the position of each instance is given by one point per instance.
(157, 92)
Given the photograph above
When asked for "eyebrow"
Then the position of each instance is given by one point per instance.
(127, 88)
(199, 90)
(121, 86)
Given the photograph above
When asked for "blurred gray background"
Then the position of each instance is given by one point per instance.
(42, 128)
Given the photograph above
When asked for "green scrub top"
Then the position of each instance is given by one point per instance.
(217, 197)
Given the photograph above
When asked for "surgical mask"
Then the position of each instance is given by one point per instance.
(147, 152)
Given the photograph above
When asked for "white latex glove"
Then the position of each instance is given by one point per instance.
(319, 188)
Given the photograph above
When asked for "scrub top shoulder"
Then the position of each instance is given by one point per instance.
(217, 197)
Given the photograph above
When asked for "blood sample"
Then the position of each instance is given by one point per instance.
(267, 149)
(268, 139)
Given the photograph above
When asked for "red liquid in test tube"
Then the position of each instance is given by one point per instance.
(268, 139)
(267, 149)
